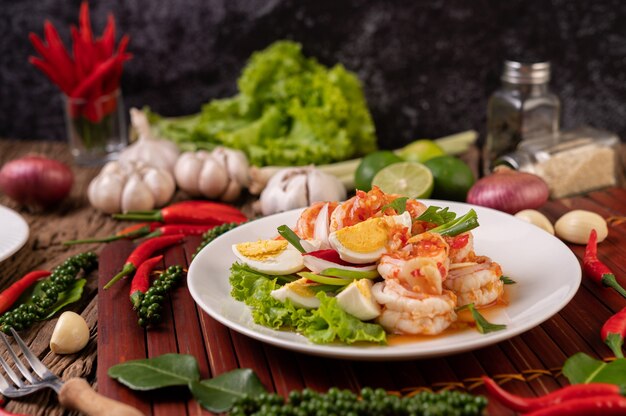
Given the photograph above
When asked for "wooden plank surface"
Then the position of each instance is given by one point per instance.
(529, 362)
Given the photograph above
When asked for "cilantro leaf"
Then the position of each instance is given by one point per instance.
(437, 215)
(398, 204)
(482, 325)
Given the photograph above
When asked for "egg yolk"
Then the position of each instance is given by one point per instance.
(301, 288)
(364, 237)
(262, 249)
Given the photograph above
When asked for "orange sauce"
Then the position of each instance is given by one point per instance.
(464, 322)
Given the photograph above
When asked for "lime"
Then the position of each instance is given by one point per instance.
(420, 151)
(453, 178)
(410, 179)
(370, 165)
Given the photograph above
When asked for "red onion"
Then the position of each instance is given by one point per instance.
(36, 181)
(509, 191)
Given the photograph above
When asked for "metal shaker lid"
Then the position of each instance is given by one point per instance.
(526, 72)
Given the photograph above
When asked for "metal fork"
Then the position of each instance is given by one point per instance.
(75, 394)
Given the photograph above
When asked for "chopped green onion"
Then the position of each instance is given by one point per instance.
(293, 239)
(436, 215)
(335, 281)
(460, 225)
(350, 274)
(507, 280)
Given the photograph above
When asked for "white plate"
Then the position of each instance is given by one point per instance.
(547, 274)
(13, 232)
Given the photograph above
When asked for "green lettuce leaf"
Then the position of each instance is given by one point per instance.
(326, 324)
(290, 110)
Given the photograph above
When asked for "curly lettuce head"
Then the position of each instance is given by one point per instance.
(291, 110)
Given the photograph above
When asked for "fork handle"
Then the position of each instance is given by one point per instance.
(77, 394)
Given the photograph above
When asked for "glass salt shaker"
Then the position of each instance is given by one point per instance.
(522, 108)
(572, 162)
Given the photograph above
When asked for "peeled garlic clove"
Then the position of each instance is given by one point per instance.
(536, 218)
(576, 225)
(70, 334)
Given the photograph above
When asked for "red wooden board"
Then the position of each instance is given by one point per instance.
(531, 360)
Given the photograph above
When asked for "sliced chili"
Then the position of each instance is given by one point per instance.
(13, 292)
(595, 269)
(529, 404)
(142, 253)
(613, 332)
(141, 281)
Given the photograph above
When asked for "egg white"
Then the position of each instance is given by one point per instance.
(298, 293)
(287, 261)
(357, 300)
(371, 256)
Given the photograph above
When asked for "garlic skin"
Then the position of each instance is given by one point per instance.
(130, 187)
(299, 187)
(575, 226)
(536, 218)
(70, 334)
(159, 153)
(220, 174)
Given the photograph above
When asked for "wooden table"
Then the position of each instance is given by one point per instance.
(529, 364)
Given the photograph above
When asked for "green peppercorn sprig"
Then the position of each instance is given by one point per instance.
(371, 402)
(213, 233)
(59, 281)
(151, 303)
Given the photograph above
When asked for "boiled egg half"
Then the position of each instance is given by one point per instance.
(367, 241)
(357, 300)
(299, 292)
(274, 257)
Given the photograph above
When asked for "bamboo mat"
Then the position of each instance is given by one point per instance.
(528, 364)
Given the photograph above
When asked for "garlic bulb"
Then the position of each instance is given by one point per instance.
(220, 174)
(576, 225)
(130, 187)
(536, 218)
(299, 187)
(147, 149)
(70, 334)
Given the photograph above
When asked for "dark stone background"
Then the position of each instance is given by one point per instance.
(428, 67)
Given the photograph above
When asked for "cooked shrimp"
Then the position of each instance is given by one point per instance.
(478, 283)
(406, 312)
(366, 205)
(421, 265)
(461, 248)
(305, 227)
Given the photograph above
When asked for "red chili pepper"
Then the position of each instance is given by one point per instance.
(595, 269)
(605, 405)
(141, 280)
(186, 229)
(529, 404)
(134, 231)
(212, 213)
(142, 253)
(13, 292)
(613, 332)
